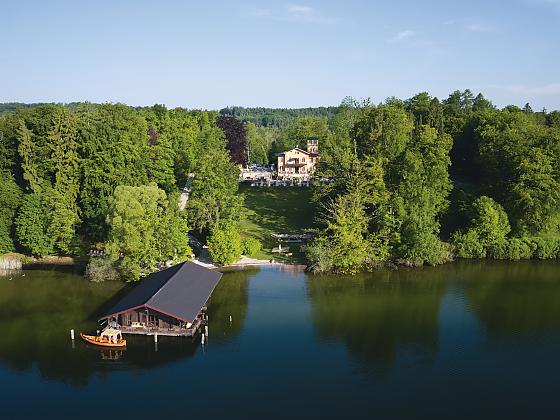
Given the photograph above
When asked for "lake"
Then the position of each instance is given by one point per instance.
(465, 340)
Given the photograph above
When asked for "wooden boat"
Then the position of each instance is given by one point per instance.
(108, 338)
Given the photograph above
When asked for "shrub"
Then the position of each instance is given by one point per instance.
(250, 247)
(319, 254)
(510, 249)
(468, 245)
(520, 249)
(547, 247)
(101, 269)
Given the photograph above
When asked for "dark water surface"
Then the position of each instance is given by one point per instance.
(468, 340)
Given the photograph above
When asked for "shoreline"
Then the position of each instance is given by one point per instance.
(246, 262)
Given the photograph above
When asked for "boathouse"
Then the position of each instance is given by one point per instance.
(169, 302)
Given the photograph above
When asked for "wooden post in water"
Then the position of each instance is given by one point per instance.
(206, 330)
(202, 340)
(230, 320)
(155, 338)
(72, 334)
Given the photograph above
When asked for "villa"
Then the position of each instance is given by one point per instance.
(298, 163)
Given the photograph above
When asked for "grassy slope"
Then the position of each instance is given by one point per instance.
(277, 210)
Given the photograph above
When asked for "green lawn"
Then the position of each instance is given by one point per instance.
(277, 210)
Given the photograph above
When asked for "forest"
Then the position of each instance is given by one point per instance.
(406, 182)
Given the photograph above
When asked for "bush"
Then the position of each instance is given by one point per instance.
(101, 269)
(250, 247)
(547, 247)
(510, 249)
(319, 254)
(224, 244)
(468, 245)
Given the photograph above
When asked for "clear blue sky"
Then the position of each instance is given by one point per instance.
(211, 54)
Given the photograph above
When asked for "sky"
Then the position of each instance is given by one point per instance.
(211, 54)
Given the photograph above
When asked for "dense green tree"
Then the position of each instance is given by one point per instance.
(257, 145)
(10, 199)
(490, 220)
(345, 242)
(214, 196)
(63, 198)
(32, 224)
(302, 128)
(26, 152)
(423, 186)
(114, 143)
(161, 162)
(383, 132)
(144, 231)
(224, 243)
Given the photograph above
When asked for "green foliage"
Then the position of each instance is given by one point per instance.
(299, 130)
(26, 152)
(346, 246)
(383, 131)
(468, 245)
(10, 199)
(250, 247)
(32, 224)
(386, 165)
(489, 220)
(275, 117)
(521, 160)
(224, 244)
(547, 247)
(487, 234)
(114, 142)
(346, 240)
(258, 144)
(145, 230)
(513, 249)
(64, 214)
(214, 196)
(423, 187)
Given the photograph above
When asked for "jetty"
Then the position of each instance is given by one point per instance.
(169, 302)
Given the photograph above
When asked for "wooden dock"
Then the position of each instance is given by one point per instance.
(192, 331)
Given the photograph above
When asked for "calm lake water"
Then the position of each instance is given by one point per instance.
(468, 340)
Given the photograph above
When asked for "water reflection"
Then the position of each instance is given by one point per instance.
(513, 299)
(37, 310)
(381, 314)
(229, 298)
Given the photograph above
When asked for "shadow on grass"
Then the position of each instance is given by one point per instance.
(277, 210)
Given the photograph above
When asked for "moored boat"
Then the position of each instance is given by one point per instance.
(108, 338)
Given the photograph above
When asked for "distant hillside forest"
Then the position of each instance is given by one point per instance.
(276, 117)
(413, 182)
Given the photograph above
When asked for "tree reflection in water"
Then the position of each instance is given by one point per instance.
(377, 315)
(38, 308)
(512, 299)
(229, 298)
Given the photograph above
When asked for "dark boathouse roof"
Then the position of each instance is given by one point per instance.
(179, 291)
